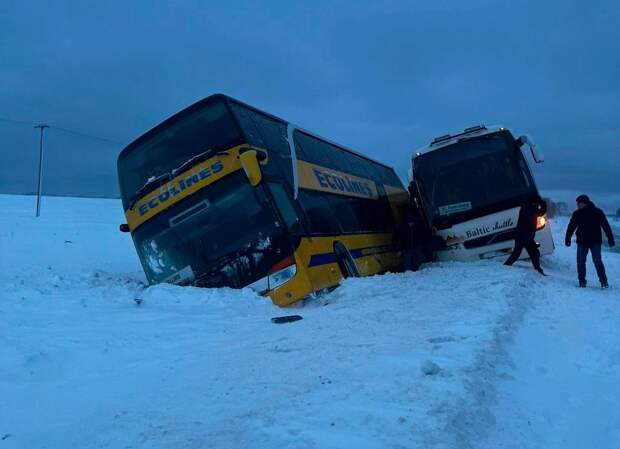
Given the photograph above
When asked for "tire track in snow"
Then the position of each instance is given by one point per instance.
(564, 395)
(471, 418)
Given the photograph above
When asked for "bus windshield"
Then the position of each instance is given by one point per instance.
(200, 132)
(472, 174)
(227, 237)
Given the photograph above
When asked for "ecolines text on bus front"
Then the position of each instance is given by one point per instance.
(180, 185)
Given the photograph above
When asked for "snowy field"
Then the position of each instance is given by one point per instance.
(454, 356)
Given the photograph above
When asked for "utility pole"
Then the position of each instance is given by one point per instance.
(41, 128)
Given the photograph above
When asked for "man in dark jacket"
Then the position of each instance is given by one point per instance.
(526, 231)
(588, 221)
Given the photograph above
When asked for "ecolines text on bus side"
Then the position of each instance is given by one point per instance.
(344, 184)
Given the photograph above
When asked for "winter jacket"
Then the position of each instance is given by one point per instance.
(528, 214)
(588, 223)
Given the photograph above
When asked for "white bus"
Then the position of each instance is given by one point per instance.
(468, 189)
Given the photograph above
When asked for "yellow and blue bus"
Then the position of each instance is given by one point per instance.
(222, 194)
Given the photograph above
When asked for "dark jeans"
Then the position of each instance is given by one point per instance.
(530, 247)
(582, 254)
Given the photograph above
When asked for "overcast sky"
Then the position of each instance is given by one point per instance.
(381, 77)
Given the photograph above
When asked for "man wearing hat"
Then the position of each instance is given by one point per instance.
(588, 221)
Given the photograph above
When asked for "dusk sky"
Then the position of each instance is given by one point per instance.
(381, 77)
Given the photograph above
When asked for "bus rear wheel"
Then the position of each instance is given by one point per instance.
(347, 265)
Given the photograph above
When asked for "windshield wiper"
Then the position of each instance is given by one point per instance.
(152, 182)
(196, 159)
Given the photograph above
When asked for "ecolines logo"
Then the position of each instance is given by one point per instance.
(342, 183)
(315, 177)
(177, 186)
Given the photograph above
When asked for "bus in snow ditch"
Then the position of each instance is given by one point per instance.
(467, 189)
(222, 194)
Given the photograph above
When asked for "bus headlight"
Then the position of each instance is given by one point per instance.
(280, 273)
(280, 277)
(541, 222)
(261, 286)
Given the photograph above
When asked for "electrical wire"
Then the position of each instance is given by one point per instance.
(68, 131)
(20, 122)
(88, 136)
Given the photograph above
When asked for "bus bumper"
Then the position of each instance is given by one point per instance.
(459, 253)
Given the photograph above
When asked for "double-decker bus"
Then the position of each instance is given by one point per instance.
(222, 194)
(469, 188)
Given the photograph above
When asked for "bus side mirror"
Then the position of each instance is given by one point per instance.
(123, 227)
(537, 155)
(251, 167)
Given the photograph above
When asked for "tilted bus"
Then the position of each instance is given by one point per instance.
(469, 188)
(222, 194)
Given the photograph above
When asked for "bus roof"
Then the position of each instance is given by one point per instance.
(449, 139)
(188, 110)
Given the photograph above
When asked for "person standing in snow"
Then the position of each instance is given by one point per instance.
(403, 238)
(588, 220)
(526, 231)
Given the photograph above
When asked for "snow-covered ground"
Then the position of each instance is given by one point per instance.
(454, 356)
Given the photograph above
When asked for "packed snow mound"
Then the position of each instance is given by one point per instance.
(92, 357)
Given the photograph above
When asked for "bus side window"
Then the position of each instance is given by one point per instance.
(248, 126)
(370, 214)
(285, 206)
(270, 134)
(318, 211)
(299, 147)
(341, 207)
(274, 135)
(314, 150)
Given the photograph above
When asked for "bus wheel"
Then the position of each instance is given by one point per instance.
(346, 263)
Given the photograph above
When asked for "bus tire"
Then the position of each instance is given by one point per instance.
(346, 263)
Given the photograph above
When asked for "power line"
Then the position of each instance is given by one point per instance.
(69, 131)
(20, 122)
(88, 136)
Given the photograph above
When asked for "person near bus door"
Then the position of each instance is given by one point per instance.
(588, 220)
(525, 232)
(422, 242)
